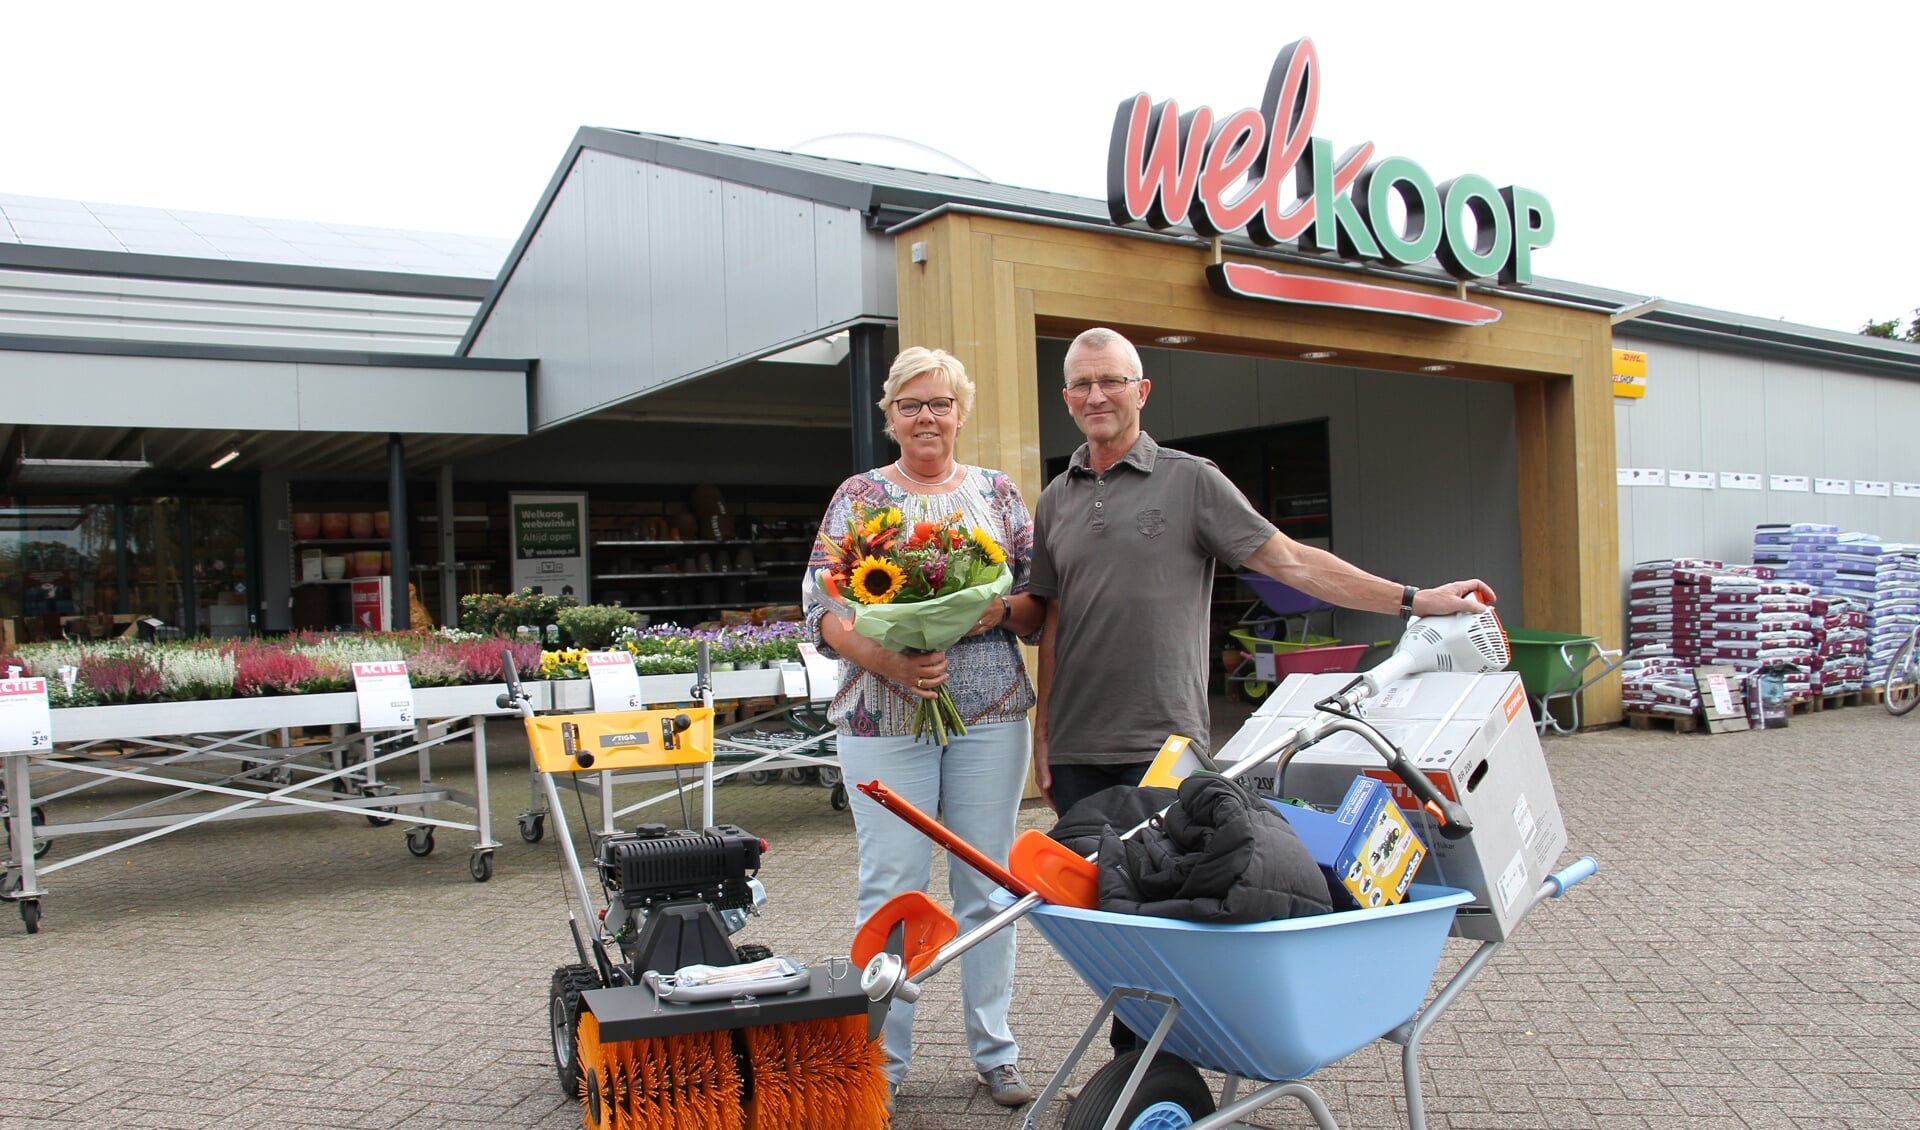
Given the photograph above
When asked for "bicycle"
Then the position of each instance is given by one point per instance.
(1903, 676)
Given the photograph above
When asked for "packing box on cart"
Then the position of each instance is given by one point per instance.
(1473, 737)
(1365, 846)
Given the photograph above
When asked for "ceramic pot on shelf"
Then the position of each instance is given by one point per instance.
(366, 563)
(333, 568)
(333, 524)
(360, 524)
(382, 524)
(306, 525)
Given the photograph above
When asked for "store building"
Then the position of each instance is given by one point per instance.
(680, 312)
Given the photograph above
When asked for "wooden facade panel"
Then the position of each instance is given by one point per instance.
(975, 293)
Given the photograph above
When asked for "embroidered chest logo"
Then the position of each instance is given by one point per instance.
(1152, 522)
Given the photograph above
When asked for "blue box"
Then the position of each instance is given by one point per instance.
(1365, 847)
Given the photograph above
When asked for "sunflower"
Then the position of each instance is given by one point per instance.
(876, 580)
(881, 520)
(988, 548)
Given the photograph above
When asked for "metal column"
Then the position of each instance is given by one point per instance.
(401, 608)
(867, 372)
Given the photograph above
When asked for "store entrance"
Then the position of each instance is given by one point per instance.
(189, 563)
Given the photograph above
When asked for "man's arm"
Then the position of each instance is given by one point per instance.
(1319, 573)
(1049, 628)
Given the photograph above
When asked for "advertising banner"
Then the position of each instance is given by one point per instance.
(549, 534)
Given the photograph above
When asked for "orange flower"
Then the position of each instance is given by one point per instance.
(923, 532)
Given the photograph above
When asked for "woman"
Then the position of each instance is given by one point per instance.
(975, 782)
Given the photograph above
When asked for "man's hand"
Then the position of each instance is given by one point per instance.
(1455, 596)
(1041, 776)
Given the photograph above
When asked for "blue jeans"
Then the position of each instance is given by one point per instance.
(973, 787)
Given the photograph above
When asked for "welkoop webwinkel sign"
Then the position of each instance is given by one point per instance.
(1263, 172)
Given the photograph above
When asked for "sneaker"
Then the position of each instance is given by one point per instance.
(893, 1092)
(1006, 1087)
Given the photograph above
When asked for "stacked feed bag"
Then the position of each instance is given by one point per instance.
(1886, 577)
(1740, 616)
(1655, 680)
(1650, 621)
(1800, 551)
(1840, 640)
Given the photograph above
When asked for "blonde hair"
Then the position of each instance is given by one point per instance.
(1100, 337)
(916, 360)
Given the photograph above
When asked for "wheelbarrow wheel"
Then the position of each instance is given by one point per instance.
(1171, 1094)
(1255, 691)
(1903, 679)
(563, 1007)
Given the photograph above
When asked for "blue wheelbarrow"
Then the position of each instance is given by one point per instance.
(1265, 1004)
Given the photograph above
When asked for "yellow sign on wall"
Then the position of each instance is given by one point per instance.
(1629, 373)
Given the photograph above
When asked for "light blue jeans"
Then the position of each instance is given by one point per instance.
(973, 787)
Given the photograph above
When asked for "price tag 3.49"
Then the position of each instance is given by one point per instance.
(26, 721)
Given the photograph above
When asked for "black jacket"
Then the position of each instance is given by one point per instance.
(1221, 854)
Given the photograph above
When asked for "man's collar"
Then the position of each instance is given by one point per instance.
(1140, 456)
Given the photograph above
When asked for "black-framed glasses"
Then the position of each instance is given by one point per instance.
(1109, 385)
(939, 406)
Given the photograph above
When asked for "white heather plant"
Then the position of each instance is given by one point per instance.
(194, 673)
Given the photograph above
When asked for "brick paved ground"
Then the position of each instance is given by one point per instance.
(1748, 959)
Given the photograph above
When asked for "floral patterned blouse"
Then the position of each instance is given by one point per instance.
(985, 674)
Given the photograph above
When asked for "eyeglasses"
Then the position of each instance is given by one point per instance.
(939, 406)
(1108, 385)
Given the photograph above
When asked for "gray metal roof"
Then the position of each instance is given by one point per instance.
(75, 225)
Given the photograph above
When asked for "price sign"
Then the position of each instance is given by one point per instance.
(616, 685)
(823, 674)
(385, 694)
(26, 721)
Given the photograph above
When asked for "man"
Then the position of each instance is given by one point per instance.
(1124, 545)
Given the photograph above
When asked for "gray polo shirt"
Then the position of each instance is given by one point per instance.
(1129, 555)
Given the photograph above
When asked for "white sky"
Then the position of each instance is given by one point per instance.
(1712, 154)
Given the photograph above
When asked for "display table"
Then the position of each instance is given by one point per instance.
(240, 749)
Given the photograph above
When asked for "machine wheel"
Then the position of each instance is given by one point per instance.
(420, 841)
(533, 827)
(563, 1009)
(480, 866)
(30, 914)
(1903, 678)
(839, 798)
(1171, 1094)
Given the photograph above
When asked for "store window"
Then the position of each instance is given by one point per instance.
(86, 567)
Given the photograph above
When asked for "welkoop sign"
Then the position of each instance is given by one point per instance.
(1263, 172)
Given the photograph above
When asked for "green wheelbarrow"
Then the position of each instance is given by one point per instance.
(1555, 666)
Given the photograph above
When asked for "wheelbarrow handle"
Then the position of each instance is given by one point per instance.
(1578, 870)
(940, 834)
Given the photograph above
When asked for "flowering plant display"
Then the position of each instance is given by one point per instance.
(914, 587)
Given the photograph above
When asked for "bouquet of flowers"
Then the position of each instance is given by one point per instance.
(914, 586)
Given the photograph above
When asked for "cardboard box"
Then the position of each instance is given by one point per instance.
(312, 565)
(1366, 848)
(1473, 737)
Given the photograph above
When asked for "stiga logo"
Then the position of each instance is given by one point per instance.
(1261, 171)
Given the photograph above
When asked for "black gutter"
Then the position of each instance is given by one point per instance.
(19, 343)
(132, 264)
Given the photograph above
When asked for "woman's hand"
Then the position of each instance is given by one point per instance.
(994, 616)
(920, 672)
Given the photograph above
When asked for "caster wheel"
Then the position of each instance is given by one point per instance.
(839, 798)
(798, 775)
(761, 776)
(420, 841)
(481, 866)
(829, 776)
(30, 915)
(533, 829)
(379, 821)
(38, 816)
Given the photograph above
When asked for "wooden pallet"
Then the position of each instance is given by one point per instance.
(1656, 720)
(1844, 698)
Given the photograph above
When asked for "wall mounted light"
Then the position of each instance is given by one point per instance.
(1436, 368)
(1175, 339)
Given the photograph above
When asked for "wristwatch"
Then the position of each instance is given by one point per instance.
(1006, 612)
(1407, 593)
